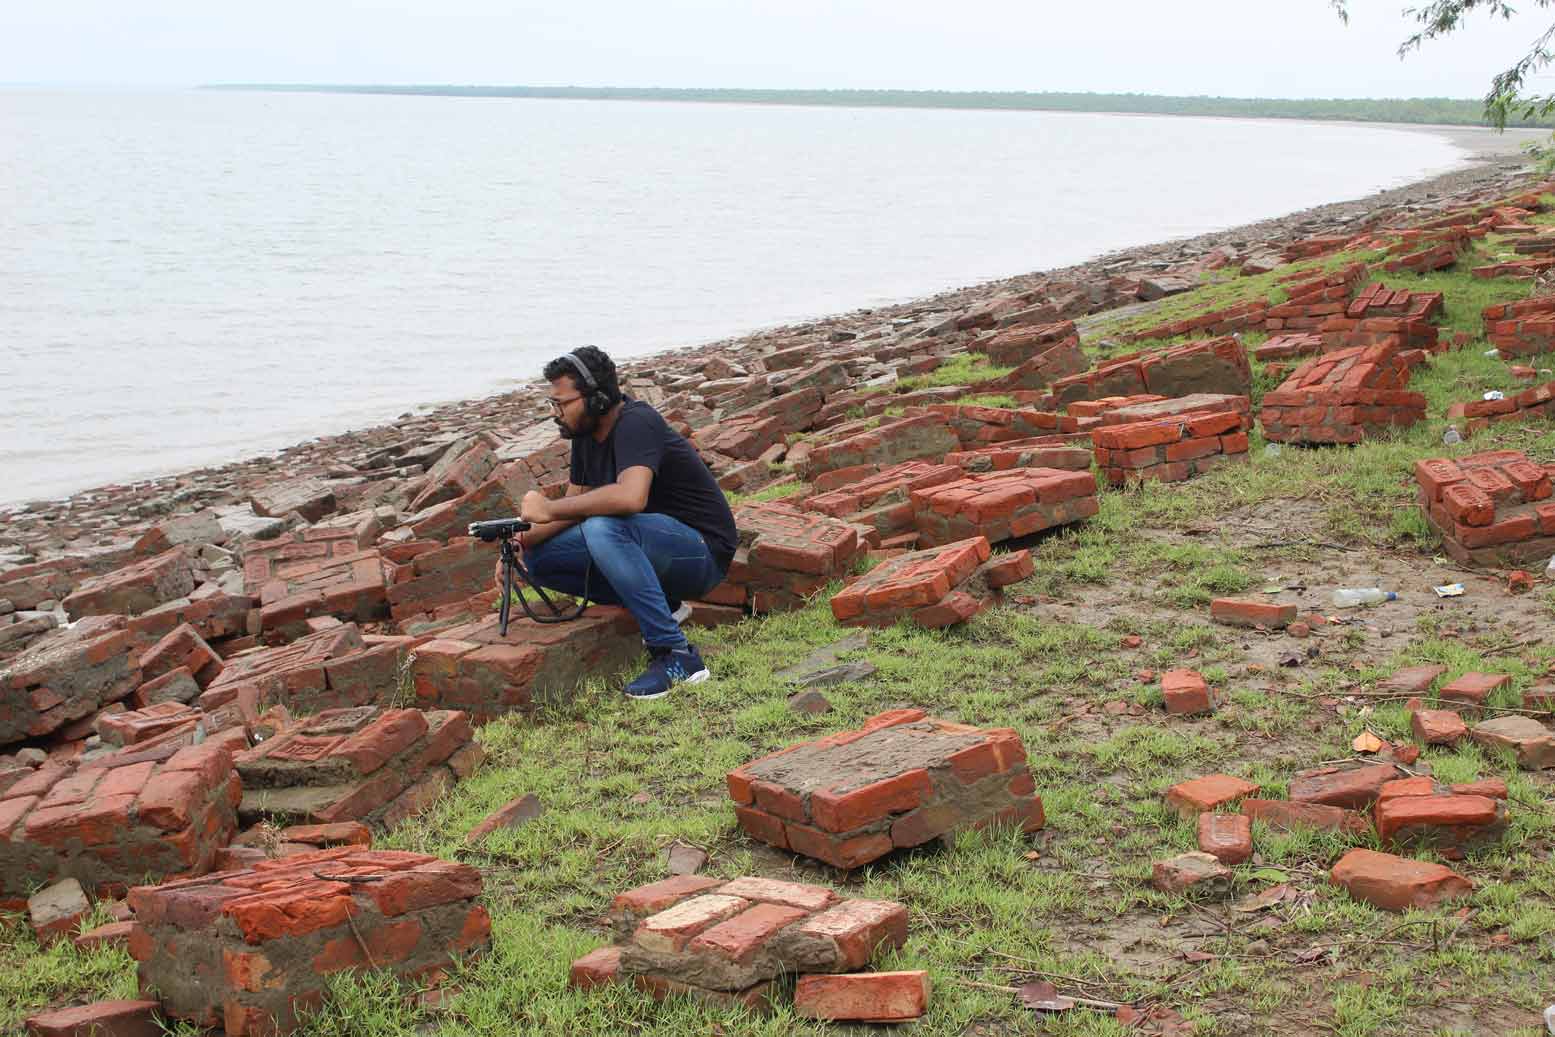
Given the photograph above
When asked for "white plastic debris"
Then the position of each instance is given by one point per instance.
(1451, 436)
(1271, 450)
(1493, 352)
(1449, 590)
(1495, 394)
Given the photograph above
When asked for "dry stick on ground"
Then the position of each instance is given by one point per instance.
(1080, 1002)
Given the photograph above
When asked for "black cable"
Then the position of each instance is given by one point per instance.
(511, 565)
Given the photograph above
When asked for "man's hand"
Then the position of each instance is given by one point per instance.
(535, 507)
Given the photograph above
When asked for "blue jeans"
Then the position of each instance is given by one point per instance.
(642, 562)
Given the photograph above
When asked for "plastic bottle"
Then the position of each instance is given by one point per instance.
(1451, 436)
(1549, 570)
(1271, 450)
(1350, 597)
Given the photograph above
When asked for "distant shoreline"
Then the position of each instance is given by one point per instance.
(1440, 111)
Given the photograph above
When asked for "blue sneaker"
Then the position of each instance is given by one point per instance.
(667, 667)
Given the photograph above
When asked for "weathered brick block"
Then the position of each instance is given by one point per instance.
(99, 1019)
(361, 764)
(247, 950)
(785, 556)
(310, 498)
(701, 934)
(1492, 508)
(868, 997)
(907, 439)
(834, 800)
(1003, 505)
(1247, 612)
(64, 676)
(137, 587)
(920, 586)
(295, 675)
(472, 667)
(1396, 883)
(112, 821)
(1343, 397)
(1207, 794)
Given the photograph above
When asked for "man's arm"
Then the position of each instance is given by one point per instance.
(628, 495)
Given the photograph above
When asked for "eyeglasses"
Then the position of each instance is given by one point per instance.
(557, 405)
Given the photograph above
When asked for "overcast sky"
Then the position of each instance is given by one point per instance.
(1267, 48)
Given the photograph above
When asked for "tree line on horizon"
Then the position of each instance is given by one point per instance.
(1441, 110)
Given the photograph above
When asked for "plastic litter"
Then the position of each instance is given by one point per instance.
(1492, 352)
(1451, 436)
(1449, 590)
(1549, 1018)
(1351, 597)
(1495, 394)
(1271, 450)
(1549, 570)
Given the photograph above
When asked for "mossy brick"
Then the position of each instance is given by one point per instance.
(111, 822)
(254, 946)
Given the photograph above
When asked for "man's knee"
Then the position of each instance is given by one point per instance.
(598, 529)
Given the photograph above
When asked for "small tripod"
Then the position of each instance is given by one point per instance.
(511, 565)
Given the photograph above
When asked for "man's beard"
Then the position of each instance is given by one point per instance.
(567, 432)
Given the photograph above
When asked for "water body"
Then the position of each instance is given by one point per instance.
(193, 277)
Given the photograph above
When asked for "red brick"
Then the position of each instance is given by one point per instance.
(1354, 788)
(845, 852)
(1396, 883)
(671, 930)
(1402, 816)
(1246, 612)
(878, 997)
(777, 891)
(1474, 687)
(856, 929)
(1207, 794)
(740, 937)
(1186, 692)
(846, 811)
(1438, 726)
(378, 947)
(761, 825)
(1284, 816)
(98, 1019)
(114, 934)
(596, 969)
(1226, 837)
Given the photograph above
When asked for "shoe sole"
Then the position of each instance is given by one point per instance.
(695, 678)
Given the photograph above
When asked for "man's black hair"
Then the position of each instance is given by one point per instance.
(599, 364)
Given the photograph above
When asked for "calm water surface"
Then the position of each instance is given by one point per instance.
(194, 277)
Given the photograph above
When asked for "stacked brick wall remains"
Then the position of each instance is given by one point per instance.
(1490, 508)
(902, 779)
(251, 950)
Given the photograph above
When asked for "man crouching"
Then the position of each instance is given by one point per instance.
(643, 520)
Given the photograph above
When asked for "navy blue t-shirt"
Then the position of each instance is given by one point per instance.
(683, 488)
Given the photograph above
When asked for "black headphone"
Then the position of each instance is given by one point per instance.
(595, 400)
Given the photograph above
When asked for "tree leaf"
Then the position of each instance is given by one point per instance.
(1366, 742)
(1044, 997)
(1269, 875)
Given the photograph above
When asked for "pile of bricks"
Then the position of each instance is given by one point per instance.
(1534, 403)
(251, 950)
(785, 556)
(109, 823)
(1342, 397)
(1524, 328)
(747, 434)
(361, 764)
(909, 439)
(1170, 449)
(319, 573)
(1217, 365)
(1056, 346)
(1517, 269)
(731, 942)
(976, 426)
(1313, 297)
(1238, 317)
(1489, 508)
(65, 676)
(458, 472)
(935, 587)
(902, 779)
(472, 667)
(331, 668)
(880, 500)
(1001, 505)
(1067, 452)
(134, 588)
